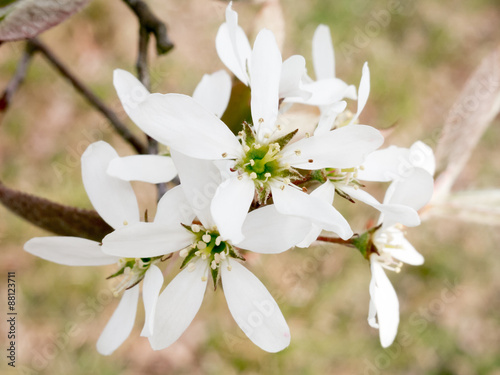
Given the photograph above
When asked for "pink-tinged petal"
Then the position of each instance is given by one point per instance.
(393, 213)
(199, 181)
(213, 92)
(178, 304)
(70, 251)
(113, 199)
(292, 72)
(174, 208)
(230, 206)
(151, 286)
(254, 308)
(422, 156)
(148, 168)
(145, 240)
(130, 90)
(328, 116)
(180, 122)
(233, 47)
(267, 231)
(121, 323)
(265, 73)
(323, 54)
(414, 191)
(386, 303)
(291, 201)
(363, 92)
(389, 164)
(345, 147)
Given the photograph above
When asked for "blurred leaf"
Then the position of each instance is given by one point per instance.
(477, 206)
(238, 108)
(476, 107)
(23, 19)
(54, 217)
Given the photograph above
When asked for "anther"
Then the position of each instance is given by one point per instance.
(224, 154)
(191, 267)
(203, 278)
(240, 177)
(267, 174)
(297, 152)
(253, 175)
(218, 240)
(252, 162)
(206, 237)
(310, 160)
(261, 120)
(125, 222)
(183, 253)
(195, 228)
(201, 245)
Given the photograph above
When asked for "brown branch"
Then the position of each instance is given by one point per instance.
(54, 217)
(152, 24)
(119, 126)
(339, 241)
(18, 77)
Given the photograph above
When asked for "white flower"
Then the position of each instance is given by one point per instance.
(261, 163)
(392, 249)
(207, 254)
(115, 201)
(212, 93)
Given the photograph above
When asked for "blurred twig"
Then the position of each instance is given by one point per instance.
(119, 126)
(54, 217)
(18, 77)
(149, 24)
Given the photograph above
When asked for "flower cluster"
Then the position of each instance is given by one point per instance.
(266, 188)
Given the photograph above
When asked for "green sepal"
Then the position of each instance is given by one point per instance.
(191, 255)
(248, 134)
(318, 175)
(215, 276)
(364, 242)
(283, 141)
(344, 195)
(187, 227)
(233, 253)
(130, 264)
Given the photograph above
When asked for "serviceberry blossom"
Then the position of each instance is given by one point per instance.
(256, 162)
(414, 188)
(207, 254)
(116, 203)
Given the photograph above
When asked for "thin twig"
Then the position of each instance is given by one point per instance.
(152, 24)
(339, 241)
(149, 23)
(119, 126)
(18, 77)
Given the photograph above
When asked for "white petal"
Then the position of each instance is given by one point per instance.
(386, 165)
(213, 92)
(421, 156)
(230, 206)
(324, 92)
(148, 168)
(328, 116)
(393, 213)
(180, 122)
(345, 147)
(267, 231)
(325, 192)
(151, 286)
(408, 254)
(265, 73)
(130, 91)
(413, 191)
(199, 181)
(387, 305)
(233, 47)
(323, 54)
(177, 305)
(290, 201)
(292, 72)
(363, 92)
(70, 251)
(121, 323)
(254, 309)
(174, 208)
(112, 198)
(144, 240)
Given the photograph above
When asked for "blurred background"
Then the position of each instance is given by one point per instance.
(420, 55)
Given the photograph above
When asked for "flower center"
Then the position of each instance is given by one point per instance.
(261, 163)
(133, 271)
(209, 246)
(344, 176)
(390, 238)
